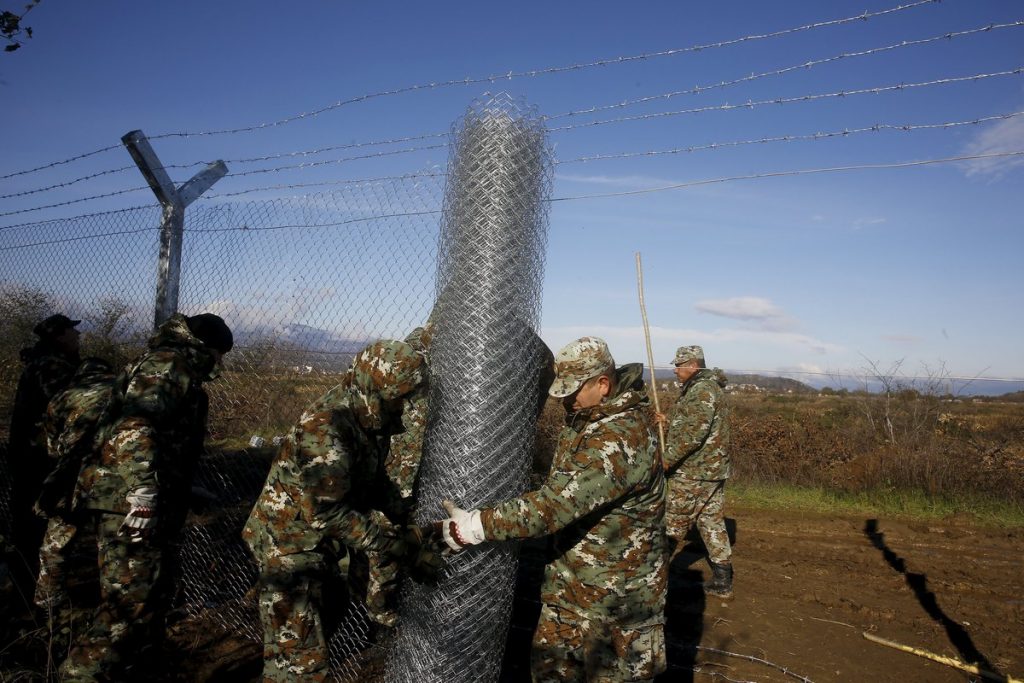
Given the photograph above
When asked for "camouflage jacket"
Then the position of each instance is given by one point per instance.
(73, 421)
(698, 429)
(327, 485)
(47, 372)
(604, 499)
(157, 426)
(406, 448)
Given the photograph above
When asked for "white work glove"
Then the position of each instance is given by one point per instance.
(141, 518)
(462, 528)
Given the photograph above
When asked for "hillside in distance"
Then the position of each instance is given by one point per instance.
(764, 382)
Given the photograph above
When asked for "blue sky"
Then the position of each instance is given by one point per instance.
(821, 273)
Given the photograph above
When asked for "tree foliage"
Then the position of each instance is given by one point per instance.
(11, 28)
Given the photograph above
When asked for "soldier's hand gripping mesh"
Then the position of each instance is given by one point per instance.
(462, 528)
(141, 520)
(426, 565)
(416, 551)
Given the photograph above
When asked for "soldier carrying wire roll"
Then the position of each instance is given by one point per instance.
(603, 596)
(325, 496)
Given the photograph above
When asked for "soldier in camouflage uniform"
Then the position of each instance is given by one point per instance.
(49, 366)
(325, 493)
(402, 467)
(697, 463)
(136, 490)
(67, 580)
(603, 594)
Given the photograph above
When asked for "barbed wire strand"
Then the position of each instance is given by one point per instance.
(326, 162)
(752, 104)
(234, 175)
(590, 110)
(722, 107)
(794, 172)
(494, 78)
(79, 238)
(193, 164)
(95, 214)
(324, 183)
(784, 70)
(331, 224)
(55, 205)
(878, 127)
(711, 181)
(676, 186)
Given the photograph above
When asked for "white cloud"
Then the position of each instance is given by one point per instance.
(740, 307)
(631, 181)
(902, 338)
(1004, 136)
(755, 309)
(627, 343)
(859, 223)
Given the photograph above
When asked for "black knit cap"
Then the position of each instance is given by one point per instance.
(211, 330)
(54, 326)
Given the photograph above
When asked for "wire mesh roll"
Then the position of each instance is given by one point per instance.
(486, 363)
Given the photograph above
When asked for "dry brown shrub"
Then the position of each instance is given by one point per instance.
(940, 448)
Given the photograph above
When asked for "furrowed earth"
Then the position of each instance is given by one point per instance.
(807, 587)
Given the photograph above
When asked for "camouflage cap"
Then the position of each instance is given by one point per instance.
(388, 368)
(54, 326)
(211, 329)
(685, 354)
(577, 362)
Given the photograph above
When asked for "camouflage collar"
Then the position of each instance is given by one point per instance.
(630, 393)
(711, 374)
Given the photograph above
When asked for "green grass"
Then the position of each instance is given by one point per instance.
(905, 504)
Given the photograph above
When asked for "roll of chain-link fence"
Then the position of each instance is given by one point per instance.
(486, 364)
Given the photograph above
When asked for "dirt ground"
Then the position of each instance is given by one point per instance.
(808, 586)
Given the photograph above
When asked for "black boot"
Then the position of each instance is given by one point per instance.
(721, 580)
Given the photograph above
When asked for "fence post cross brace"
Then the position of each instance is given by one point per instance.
(172, 225)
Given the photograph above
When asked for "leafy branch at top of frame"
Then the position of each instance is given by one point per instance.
(12, 29)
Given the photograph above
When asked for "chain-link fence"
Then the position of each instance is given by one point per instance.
(303, 281)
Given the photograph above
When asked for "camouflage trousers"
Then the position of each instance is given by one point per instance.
(67, 564)
(702, 502)
(568, 647)
(295, 632)
(134, 593)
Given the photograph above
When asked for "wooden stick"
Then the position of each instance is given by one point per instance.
(941, 659)
(650, 353)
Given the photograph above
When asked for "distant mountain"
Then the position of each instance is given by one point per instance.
(319, 340)
(302, 347)
(765, 382)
